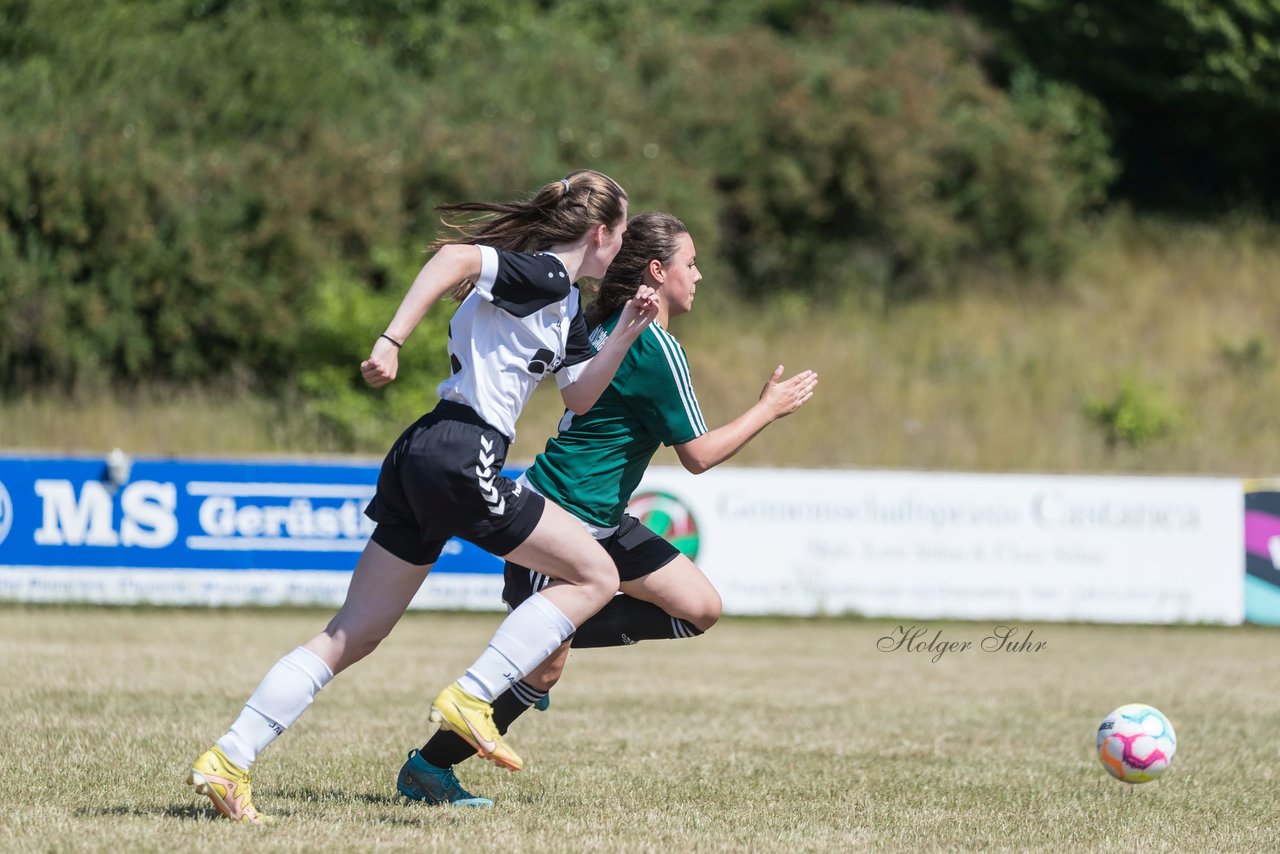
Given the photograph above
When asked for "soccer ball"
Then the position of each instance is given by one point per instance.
(1136, 743)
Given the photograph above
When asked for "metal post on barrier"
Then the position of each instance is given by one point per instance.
(119, 467)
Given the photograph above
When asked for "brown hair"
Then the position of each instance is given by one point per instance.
(650, 236)
(560, 212)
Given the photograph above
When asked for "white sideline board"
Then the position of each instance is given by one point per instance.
(967, 546)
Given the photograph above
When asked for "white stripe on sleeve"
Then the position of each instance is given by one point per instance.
(680, 372)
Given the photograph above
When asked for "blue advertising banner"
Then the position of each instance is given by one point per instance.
(205, 520)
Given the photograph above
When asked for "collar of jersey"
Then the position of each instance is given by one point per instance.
(557, 257)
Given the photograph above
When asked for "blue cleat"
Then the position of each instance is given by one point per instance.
(419, 780)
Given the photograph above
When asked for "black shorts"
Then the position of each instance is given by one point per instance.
(443, 478)
(636, 551)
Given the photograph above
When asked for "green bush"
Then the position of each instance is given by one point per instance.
(1251, 356)
(871, 153)
(342, 322)
(186, 188)
(169, 192)
(1192, 88)
(861, 148)
(1136, 415)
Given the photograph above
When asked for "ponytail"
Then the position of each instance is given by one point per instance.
(561, 212)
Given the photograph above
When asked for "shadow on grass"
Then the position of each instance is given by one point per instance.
(402, 810)
(397, 808)
(340, 796)
(190, 812)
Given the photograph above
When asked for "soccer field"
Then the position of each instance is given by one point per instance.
(761, 735)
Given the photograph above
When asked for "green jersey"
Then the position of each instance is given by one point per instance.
(596, 462)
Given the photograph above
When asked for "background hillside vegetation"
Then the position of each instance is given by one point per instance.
(209, 209)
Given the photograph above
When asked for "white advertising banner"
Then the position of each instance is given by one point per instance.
(1095, 549)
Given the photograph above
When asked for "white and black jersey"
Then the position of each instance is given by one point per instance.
(522, 321)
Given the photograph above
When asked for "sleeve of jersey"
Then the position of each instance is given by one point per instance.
(519, 283)
(661, 390)
(577, 352)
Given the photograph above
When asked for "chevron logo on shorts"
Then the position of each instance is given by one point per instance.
(484, 473)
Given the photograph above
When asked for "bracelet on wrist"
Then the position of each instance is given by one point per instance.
(398, 344)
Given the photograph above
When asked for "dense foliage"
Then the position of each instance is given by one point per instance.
(192, 189)
(1192, 88)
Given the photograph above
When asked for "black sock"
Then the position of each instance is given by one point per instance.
(625, 620)
(514, 703)
(446, 748)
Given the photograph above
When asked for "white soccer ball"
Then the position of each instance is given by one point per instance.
(1136, 743)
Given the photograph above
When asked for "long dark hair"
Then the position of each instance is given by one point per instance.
(650, 236)
(560, 212)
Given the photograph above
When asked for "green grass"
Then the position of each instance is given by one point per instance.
(762, 735)
(1001, 377)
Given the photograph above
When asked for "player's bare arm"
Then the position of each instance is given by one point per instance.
(778, 399)
(447, 267)
(638, 313)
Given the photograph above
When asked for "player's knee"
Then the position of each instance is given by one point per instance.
(706, 612)
(600, 577)
(701, 614)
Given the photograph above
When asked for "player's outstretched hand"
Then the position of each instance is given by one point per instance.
(784, 397)
(383, 362)
(638, 312)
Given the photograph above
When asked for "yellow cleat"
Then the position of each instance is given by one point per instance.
(224, 783)
(472, 719)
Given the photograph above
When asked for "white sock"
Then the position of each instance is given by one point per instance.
(248, 736)
(280, 699)
(524, 640)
